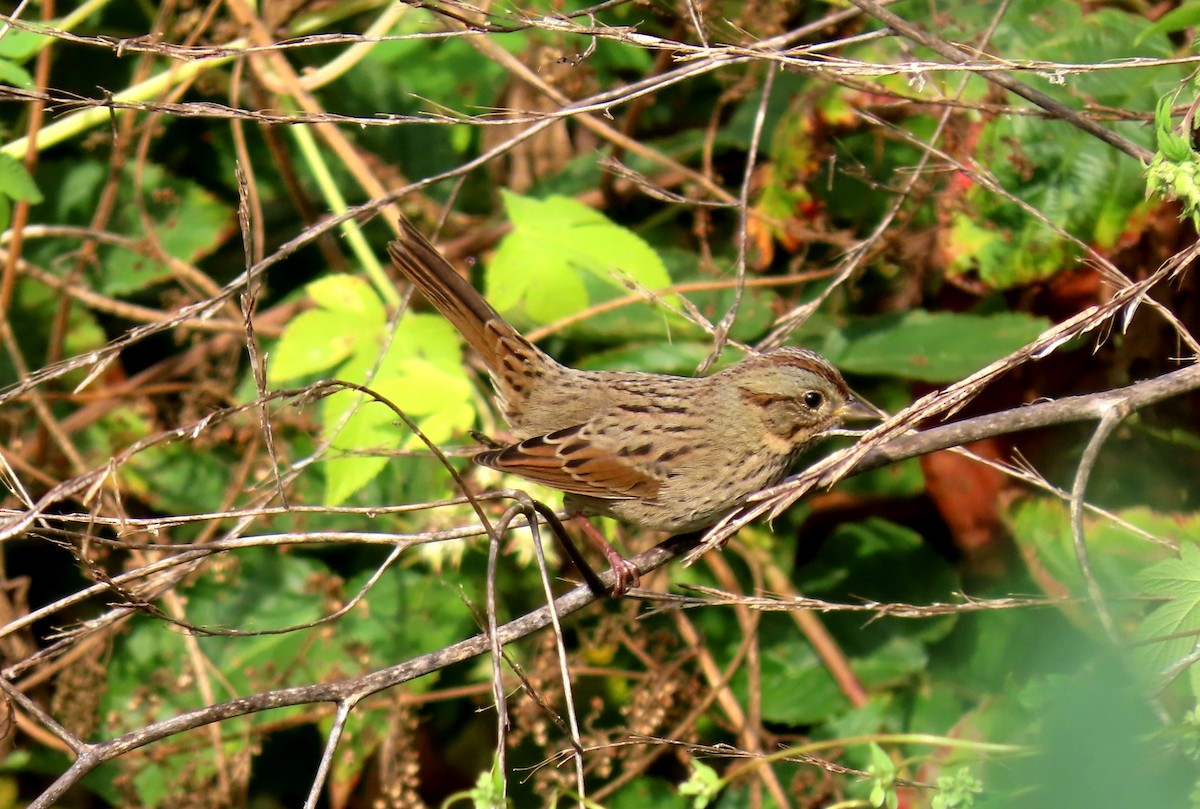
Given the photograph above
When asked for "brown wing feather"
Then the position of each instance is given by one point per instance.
(568, 461)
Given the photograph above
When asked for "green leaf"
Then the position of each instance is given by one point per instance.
(360, 427)
(933, 347)
(878, 560)
(312, 342)
(349, 318)
(527, 274)
(680, 358)
(1173, 145)
(539, 267)
(1097, 741)
(1117, 555)
(176, 479)
(350, 296)
(957, 791)
(14, 75)
(421, 373)
(894, 661)
(418, 368)
(702, 785)
(1177, 19)
(407, 614)
(151, 674)
(797, 689)
(15, 182)
(259, 590)
(441, 396)
(187, 221)
(19, 45)
(883, 777)
(1174, 172)
(403, 74)
(881, 763)
(1170, 632)
(35, 308)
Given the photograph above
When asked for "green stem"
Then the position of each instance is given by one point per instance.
(153, 87)
(879, 738)
(337, 204)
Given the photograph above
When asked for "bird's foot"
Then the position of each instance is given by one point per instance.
(625, 573)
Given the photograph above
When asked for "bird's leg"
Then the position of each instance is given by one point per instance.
(625, 572)
(560, 533)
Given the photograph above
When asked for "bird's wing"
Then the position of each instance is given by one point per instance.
(574, 462)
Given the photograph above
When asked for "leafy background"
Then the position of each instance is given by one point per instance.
(617, 179)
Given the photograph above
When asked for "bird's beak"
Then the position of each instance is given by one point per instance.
(856, 409)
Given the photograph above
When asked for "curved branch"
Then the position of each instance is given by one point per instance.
(1108, 422)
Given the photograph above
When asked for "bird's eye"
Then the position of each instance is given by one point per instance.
(813, 400)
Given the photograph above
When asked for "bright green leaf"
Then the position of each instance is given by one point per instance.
(314, 341)
(957, 790)
(702, 785)
(488, 792)
(1173, 145)
(881, 762)
(883, 776)
(357, 424)
(428, 336)
(19, 45)
(538, 265)
(349, 318)
(422, 374)
(351, 296)
(526, 273)
(442, 398)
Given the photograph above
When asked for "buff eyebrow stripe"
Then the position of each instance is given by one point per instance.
(764, 399)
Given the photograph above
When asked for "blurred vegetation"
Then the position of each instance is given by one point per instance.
(132, 135)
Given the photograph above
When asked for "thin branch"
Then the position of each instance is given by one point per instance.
(1109, 420)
